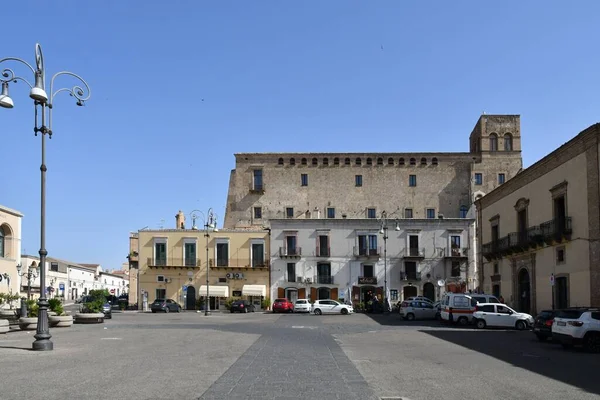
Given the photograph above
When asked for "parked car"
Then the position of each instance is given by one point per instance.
(165, 305)
(283, 305)
(418, 310)
(578, 326)
(302, 305)
(500, 315)
(331, 307)
(419, 298)
(243, 306)
(542, 325)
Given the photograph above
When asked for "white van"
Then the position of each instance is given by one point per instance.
(462, 306)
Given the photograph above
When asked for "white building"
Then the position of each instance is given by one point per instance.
(115, 283)
(335, 258)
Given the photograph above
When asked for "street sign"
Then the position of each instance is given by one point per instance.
(185, 288)
(552, 279)
(112, 291)
(61, 286)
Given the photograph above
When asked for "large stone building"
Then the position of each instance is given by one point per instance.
(266, 186)
(10, 250)
(541, 230)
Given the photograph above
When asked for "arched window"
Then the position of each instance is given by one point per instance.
(369, 161)
(2, 239)
(413, 161)
(347, 161)
(280, 162)
(380, 161)
(401, 161)
(358, 161)
(508, 145)
(463, 211)
(292, 161)
(326, 161)
(434, 161)
(304, 161)
(336, 161)
(390, 161)
(314, 161)
(423, 161)
(493, 142)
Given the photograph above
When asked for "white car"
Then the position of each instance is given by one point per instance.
(302, 305)
(500, 315)
(418, 310)
(578, 326)
(331, 307)
(419, 298)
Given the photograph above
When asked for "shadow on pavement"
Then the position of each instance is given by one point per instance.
(522, 350)
(394, 319)
(16, 348)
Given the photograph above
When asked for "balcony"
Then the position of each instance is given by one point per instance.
(367, 280)
(172, 262)
(366, 252)
(290, 252)
(323, 252)
(557, 230)
(456, 252)
(324, 279)
(414, 252)
(410, 276)
(238, 263)
(220, 263)
(257, 189)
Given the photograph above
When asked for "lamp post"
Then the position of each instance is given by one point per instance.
(384, 231)
(210, 223)
(43, 102)
(32, 272)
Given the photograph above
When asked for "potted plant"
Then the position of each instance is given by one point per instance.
(60, 319)
(92, 310)
(265, 303)
(29, 323)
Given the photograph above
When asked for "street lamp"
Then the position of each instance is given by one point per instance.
(32, 272)
(210, 222)
(384, 232)
(45, 104)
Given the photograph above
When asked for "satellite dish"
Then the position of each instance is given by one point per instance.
(441, 282)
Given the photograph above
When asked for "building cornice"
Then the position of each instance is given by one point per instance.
(10, 211)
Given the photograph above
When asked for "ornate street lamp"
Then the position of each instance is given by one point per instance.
(44, 105)
(384, 231)
(210, 225)
(32, 272)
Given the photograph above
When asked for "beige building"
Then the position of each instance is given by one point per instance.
(133, 266)
(541, 230)
(173, 264)
(266, 186)
(10, 249)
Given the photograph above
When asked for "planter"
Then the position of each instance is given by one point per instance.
(4, 326)
(7, 313)
(51, 313)
(28, 324)
(60, 321)
(89, 318)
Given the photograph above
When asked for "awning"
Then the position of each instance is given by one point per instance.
(215, 291)
(254, 290)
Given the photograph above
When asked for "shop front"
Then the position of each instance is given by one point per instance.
(255, 294)
(217, 294)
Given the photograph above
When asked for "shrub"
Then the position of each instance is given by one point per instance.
(266, 303)
(94, 306)
(56, 306)
(228, 303)
(32, 308)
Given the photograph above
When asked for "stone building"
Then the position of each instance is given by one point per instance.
(266, 186)
(10, 250)
(541, 230)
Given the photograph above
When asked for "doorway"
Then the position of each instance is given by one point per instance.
(291, 294)
(409, 291)
(324, 293)
(190, 300)
(429, 291)
(367, 293)
(561, 288)
(524, 292)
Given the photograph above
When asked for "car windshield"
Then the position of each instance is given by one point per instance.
(301, 301)
(281, 300)
(159, 301)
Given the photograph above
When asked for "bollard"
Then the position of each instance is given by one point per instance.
(23, 308)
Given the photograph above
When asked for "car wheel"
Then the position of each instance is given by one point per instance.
(153, 311)
(167, 309)
(521, 325)
(318, 312)
(344, 311)
(463, 321)
(178, 309)
(480, 324)
(231, 311)
(591, 342)
(245, 310)
(410, 316)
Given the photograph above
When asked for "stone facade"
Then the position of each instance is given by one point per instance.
(265, 186)
(10, 249)
(543, 226)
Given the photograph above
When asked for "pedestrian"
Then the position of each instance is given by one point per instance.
(501, 299)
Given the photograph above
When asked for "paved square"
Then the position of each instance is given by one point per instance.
(265, 356)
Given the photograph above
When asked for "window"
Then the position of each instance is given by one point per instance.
(503, 310)
(501, 178)
(560, 255)
(2, 241)
(493, 142)
(412, 180)
(336, 161)
(304, 179)
(189, 254)
(455, 245)
(159, 278)
(478, 178)
(291, 272)
(303, 161)
(408, 213)
(430, 213)
(289, 212)
(463, 211)
(496, 269)
(160, 254)
(257, 212)
(315, 162)
(326, 161)
(380, 161)
(258, 179)
(488, 308)
(368, 271)
(508, 142)
(160, 293)
(413, 161)
(54, 267)
(369, 161)
(401, 161)
(290, 245)
(323, 246)
(371, 213)
(258, 254)
(393, 294)
(390, 161)
(455, 271)
(330, 212)
(346, 161)
(423, 161)
(292, 161)
(358, 180)
(280, 161)
(358, 161)
(367, 245)
(222, 254)
(434, 161)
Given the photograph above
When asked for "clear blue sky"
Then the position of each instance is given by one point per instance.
(178, 87)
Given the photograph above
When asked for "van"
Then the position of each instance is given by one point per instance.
(462, 306)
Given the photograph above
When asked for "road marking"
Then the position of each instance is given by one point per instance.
(303, 327)
(111, 338)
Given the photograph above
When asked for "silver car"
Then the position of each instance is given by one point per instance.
(418, 310)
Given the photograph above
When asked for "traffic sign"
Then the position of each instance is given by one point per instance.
(552, 279)
(61, 286)
(185, 288)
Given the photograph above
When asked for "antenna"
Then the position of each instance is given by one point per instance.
(441, 283)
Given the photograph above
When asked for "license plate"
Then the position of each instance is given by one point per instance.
(536, 329)
(560, 323)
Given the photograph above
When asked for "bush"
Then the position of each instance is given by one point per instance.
(56, 306)
(266, 303)
(99, 294)
(228, 303)
(32, 308)
(94, 306)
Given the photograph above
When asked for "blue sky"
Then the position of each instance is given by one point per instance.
(177, 89)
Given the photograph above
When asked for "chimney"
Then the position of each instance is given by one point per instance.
(180, 220)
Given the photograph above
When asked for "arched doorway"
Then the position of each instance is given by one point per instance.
(429, 291)
(524, 291)
(409, 291)
(190, 298)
